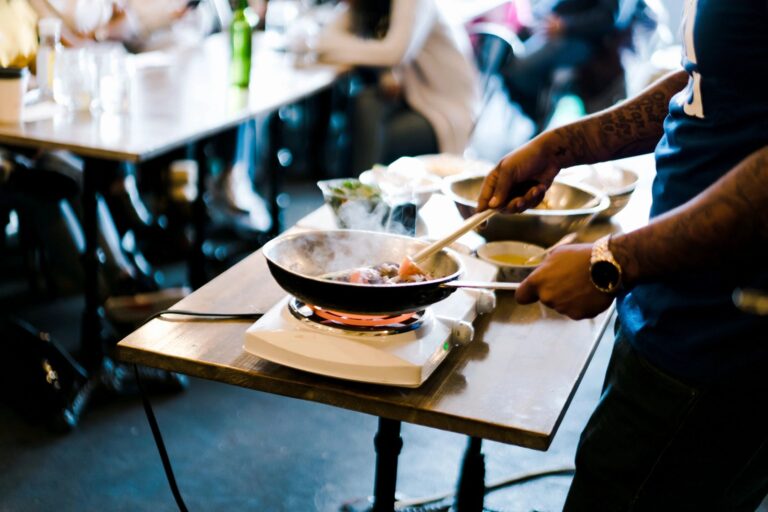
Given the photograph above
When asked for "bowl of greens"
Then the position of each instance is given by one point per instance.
(354, 204)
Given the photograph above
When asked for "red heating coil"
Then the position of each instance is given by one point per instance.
(360, 320)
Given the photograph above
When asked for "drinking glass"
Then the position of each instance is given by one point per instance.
(112, 78)
(73, 79)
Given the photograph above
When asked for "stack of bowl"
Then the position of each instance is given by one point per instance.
(615, 181)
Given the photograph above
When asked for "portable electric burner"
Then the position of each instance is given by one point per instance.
(398, 350)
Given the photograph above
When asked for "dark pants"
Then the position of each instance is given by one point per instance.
(385, 129)
(655, 443)
(526, 77)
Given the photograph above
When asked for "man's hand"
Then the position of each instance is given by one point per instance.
(533, 165)
(562, 283)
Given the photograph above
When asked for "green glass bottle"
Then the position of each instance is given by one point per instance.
(240, 32)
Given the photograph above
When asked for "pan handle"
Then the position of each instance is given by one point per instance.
(492, 285)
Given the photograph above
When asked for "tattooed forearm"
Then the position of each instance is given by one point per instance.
(638, 125)
(630, 128)
(573, 146)
(734, 211)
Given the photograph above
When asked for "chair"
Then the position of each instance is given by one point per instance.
(493, 45)
(601, 82)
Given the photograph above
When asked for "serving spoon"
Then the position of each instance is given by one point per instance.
(411, 264)
(536, 258)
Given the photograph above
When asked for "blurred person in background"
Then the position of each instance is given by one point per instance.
(135, 23)
(44, 188)
(422, 91)
(39, 174)
(568, 34)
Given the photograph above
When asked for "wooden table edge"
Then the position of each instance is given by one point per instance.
(148, 153)
(348, 400)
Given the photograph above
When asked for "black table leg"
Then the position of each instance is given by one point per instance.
(388, 444)
(320, 110)
(470, 492)
(196, 259)
(91, 333)
(275, 169)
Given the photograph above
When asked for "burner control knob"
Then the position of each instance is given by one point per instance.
(462, 333)
(486, 302)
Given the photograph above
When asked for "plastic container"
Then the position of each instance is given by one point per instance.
(13, 85)
(354, 204)
(49, 30)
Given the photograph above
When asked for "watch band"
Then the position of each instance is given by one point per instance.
(604, 270)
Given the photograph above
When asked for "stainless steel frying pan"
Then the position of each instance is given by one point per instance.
(298, 261)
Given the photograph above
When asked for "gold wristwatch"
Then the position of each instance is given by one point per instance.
(604, 270)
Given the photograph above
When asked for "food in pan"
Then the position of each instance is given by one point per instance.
(383, 273)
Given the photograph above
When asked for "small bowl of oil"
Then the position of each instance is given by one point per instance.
(516, 260)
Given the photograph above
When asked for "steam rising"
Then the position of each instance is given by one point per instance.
(320, 253)
(356, 215)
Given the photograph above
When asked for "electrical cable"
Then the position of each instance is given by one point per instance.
(160, 444)
(412, 505)
(167, 467)
(205, 316)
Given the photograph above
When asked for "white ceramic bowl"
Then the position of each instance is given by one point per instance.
(513, 271)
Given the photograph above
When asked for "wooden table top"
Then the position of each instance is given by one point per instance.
(512, 384)
(177, 98)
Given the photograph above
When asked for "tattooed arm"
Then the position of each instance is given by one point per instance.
(686, 239)
(627, 129)
(691, 237)
(630, 128)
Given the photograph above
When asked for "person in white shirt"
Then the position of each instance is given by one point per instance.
(18, 34)
(426, 96)
(140, 25)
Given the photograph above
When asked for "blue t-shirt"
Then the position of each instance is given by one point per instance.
(689, 326)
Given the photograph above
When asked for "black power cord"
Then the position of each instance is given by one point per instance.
(160, 444)
(215, 317)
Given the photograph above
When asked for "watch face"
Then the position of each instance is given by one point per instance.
(605, 275)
